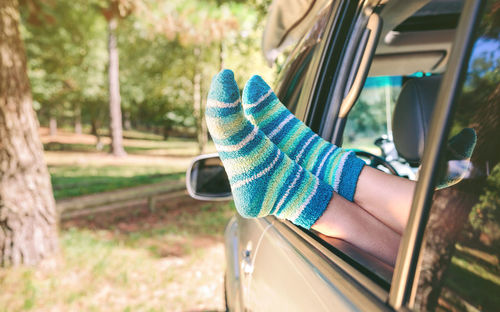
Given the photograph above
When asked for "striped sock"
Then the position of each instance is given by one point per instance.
(263, 179)
(336, 166)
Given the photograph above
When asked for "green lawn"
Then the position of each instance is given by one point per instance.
(474, 279)
(78, 168)
(69, 181)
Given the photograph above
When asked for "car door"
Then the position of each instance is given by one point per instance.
(293, 269)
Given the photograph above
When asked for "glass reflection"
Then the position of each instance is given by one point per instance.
(460, 268)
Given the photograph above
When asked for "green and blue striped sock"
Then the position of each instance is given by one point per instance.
(336, 166)
(263, 179)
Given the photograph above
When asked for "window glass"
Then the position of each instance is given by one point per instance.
(370, 118)
(460, 268)
(369, 124)
(293, 74)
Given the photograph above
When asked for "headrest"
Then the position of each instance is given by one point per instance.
(412, 116)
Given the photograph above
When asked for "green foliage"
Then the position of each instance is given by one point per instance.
(66, 57)
(485, 215)
(66, 45)
(368, 116)
(482, 80)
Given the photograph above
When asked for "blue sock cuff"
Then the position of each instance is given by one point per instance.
(349, 180)
(318, 204)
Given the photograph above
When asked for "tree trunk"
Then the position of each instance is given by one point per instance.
(52, 125)
(127, 124)
(115, 111)
(201, 129)
(95, 131)
(449, 213)
(78, 120)
(203, 139)
(222, 55)
(28, 218)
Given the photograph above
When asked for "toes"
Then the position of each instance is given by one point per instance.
(224, 87)
(255, 88)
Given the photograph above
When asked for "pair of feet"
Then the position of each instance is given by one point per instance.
(275, 164)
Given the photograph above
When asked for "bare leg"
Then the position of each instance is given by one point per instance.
(385, 196)
(346, 220)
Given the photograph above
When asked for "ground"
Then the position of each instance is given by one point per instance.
(134, 260)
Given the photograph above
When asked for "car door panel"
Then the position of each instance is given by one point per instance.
(290, 274)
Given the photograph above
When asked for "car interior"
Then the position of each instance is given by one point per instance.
(415, 42)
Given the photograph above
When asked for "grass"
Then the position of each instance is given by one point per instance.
(69, 181)
(78, 168)
(171, 260)
(176, 147)
(474, 280)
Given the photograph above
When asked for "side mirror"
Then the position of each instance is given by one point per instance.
(206, 179)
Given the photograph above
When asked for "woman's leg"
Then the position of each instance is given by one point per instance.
(385, 196)
(347, 221)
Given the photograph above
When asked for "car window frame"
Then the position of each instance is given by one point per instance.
(405, 278)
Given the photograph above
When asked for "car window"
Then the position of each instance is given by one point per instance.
(369, 126)
(291, 78)
(371, 117)
(460, 268)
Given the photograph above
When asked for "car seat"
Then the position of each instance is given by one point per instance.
(412, 116)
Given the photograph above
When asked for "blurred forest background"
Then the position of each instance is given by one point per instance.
(168, 52)
(118, 88)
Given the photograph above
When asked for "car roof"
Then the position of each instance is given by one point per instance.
(416, 35)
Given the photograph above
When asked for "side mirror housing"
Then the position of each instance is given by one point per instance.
(206, 179)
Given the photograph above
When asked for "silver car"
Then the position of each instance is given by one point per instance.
(394, 80)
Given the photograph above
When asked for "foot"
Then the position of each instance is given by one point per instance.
(336, 166)
(263, 179)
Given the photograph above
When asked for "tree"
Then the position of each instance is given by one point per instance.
(451, 208)
(28, 218)
(116, 9)
(67, 59)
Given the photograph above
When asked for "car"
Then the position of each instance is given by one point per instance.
(394, 80)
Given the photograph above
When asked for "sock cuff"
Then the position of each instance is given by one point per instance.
(316, 207)
(349, 180)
